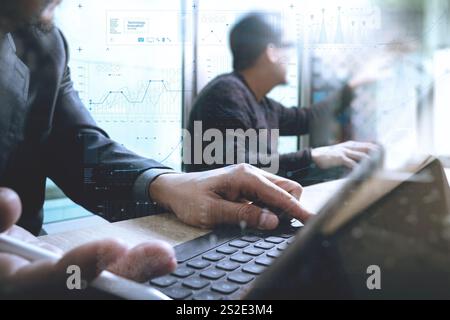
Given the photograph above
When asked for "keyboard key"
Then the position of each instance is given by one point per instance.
(177, 293)
(212, 274)
(238, 244)
(163, 282)
(224, 287)
(264, 245)
(282, 247)
(240, 278)
(183, 272)
(251, 239)
(241, 258)
(275, 240)
(260, 234)
(199, 264)
(274, 254)
(264, 261)
(254, 252)
(227, 265)
(291, 240)
(213, 256)
(227, 250)
(286, 236)
(208, 295)
(254, 269)
(195, 283)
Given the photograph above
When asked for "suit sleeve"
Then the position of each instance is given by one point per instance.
(93, 170)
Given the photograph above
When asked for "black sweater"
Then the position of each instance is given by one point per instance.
(228, 103)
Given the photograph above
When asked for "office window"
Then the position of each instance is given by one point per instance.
(126, 60)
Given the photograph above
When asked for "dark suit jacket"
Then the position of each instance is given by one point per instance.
(45, 131)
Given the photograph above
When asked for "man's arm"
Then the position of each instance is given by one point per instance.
(298, 121)
(294, 121)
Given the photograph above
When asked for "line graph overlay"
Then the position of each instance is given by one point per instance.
(143, 114)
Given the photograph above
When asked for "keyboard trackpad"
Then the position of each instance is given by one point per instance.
(195, 247)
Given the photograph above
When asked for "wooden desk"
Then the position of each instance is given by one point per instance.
(133, 232)
(168, 228)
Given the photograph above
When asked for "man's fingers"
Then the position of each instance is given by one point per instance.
(290, 186)
(256, 187)
(365, 147)
(146, 261)
(48, 247)
(9, 264)
(51, 276)
(33, 276)
(246, 215)
(356, 155)
(10, 208)
(141, 263)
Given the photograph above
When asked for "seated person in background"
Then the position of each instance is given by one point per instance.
(45, 131)
(238, 100)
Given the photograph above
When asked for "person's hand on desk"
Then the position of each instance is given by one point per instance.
(18, 275)
(346, 154)
(239, 194)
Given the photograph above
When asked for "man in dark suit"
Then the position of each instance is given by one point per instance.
(45, 131)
